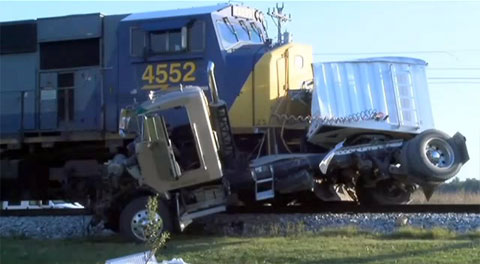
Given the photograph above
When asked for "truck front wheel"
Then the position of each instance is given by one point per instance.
(134, 219)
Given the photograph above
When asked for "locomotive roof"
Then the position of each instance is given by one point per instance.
(176, 12)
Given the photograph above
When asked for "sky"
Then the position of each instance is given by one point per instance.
(445, 34)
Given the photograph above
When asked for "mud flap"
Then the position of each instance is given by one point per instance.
(458, 141)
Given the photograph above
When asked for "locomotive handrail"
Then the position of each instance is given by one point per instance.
(211, 82)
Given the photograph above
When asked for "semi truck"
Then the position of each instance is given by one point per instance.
(201, 107)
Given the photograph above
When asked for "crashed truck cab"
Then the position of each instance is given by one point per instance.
(155, 164)
(155, 153)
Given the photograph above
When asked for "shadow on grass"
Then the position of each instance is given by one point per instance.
(110, 239)
(395, 256)
(182, 244)
(407, 232)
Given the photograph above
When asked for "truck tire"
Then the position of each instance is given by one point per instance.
(134, 218)
(431, 156)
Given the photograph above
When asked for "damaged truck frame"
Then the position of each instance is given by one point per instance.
(377, 171)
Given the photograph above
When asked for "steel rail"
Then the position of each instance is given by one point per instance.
(342, 207)
(45, 212)
(318, 208)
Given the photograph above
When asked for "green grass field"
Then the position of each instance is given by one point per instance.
(344, 246)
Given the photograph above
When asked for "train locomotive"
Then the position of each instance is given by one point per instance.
(200, 106)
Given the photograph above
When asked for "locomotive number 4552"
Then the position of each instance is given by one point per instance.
(159, 76)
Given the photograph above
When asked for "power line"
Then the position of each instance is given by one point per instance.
(453, 82)
(398, 52)
(455, 68)
(454, 78)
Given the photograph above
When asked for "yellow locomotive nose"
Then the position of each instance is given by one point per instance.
(284, 68)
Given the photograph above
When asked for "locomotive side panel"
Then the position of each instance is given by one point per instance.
(18, 61)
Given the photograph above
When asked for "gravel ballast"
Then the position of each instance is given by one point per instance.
(262, 224)
(60, 227)
(48, 227)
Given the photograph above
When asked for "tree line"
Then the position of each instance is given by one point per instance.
(456, 185)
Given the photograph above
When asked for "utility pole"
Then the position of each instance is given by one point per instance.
(278, 15)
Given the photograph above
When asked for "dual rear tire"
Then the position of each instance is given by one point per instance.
(432, 157)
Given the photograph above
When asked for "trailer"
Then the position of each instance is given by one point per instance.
(199, 106)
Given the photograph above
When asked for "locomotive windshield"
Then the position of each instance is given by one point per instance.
(233, 32)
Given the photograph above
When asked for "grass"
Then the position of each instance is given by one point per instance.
(446, 198)
(348, 245)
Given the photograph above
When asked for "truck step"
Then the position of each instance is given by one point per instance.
(187, 217)
(265, 180)
(264, 183)
(264, 189)
(269, 194)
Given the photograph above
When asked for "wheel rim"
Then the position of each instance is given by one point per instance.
(140, 222)
(439, 153)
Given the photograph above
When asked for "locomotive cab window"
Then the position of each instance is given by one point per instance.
(168, 41)
(189, 38)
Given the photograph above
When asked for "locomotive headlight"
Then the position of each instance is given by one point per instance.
(243, 12)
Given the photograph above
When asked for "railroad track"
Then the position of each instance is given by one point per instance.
(343, 207)
(44, 212)
(333, 207)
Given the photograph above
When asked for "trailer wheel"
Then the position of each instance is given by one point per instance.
(134, 219)
(431, 155)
